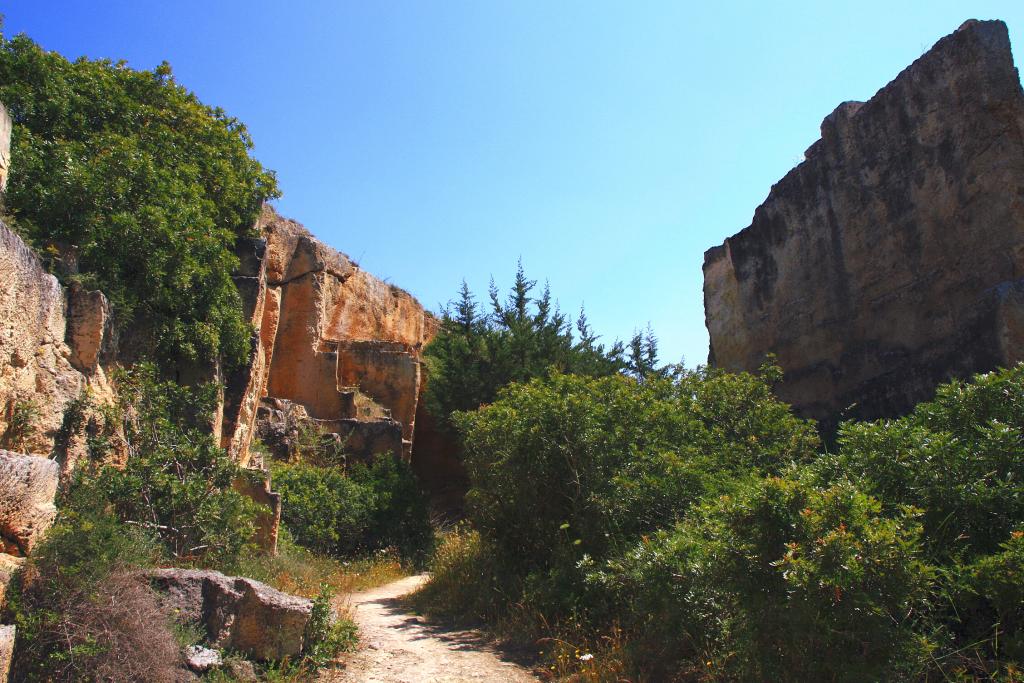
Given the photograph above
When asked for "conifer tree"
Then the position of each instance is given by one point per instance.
(524, 336)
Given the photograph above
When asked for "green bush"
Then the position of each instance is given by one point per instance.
(151, 187)
(326, 636)
(988, 595)
(779, 580)
(322, 508)
(957, 457)
(365, 507)
(570, 467)
(175, 481)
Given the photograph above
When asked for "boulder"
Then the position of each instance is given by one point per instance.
(28, 485)
(892, 258)
(237, 613)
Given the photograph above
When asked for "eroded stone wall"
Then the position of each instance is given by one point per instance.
(892, 258)
(331, 338)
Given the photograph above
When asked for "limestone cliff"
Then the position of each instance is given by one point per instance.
(49, 346)
(333, 339)
(892, 258)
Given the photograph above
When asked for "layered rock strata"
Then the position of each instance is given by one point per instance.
(28, 486)
(892, 258)
(332, 339)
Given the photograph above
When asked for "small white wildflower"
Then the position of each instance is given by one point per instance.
(586, 658)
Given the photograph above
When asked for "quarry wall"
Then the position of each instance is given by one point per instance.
(892, 258)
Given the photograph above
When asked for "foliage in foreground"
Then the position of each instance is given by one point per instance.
(79, 612)
(147, 185)
(569, 470)
(357, 509)
(686, 531)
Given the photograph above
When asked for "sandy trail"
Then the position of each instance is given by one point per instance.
(397, 646)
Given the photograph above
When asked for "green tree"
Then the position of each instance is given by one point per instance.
(522, 337)
(148, 185)
(642, 362)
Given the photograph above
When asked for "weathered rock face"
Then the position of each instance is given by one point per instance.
(37, 379)
(333, 339)
(237, 613)
(28, 485)
(892, 258)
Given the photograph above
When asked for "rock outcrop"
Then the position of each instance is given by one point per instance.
(47, 358)
(28, 486)
(332, 339)
(892, 258)
(37, 378)
(237, 613)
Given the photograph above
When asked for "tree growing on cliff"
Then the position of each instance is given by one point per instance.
(128, 173)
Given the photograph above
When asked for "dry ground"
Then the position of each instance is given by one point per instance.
(397, 646)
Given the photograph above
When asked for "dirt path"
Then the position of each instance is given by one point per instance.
(399, 647)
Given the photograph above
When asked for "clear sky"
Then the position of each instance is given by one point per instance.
(607, 144)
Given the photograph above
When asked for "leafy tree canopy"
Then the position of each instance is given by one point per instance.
(482, 348)
(149, 186)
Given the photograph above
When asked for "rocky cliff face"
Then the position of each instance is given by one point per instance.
(892, 258)
(333, 339)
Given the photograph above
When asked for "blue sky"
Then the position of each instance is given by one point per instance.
(607, 144)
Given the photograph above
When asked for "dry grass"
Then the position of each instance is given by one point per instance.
(302, 572)
(118, 632)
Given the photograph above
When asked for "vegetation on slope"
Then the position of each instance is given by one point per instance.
(157, 491)
(128, 173)
(689, 529)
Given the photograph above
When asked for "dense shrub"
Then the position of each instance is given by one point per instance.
(688, 526)
(322, 508)
(761, 583)
(399, 517)
(148, 185)
(957, 457)
(987, 615)
(360, 508)
(569, 468)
